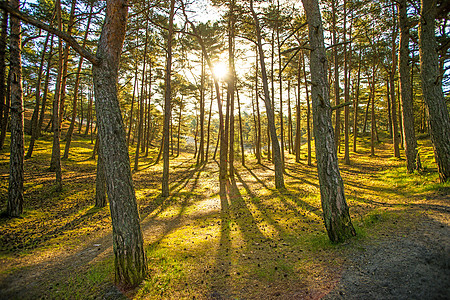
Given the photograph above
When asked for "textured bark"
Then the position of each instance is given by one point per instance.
(55, 163)
(277, 160)
(308, 112)
(280, 80)
(290, 143)
(356, 103)
(100, 182)
(241, 135)
(15, 189)
(335, 209)
(438, 115)
(130, 126)
(209, 125)
(395, 132)
(6, 111)
(231, 86)
(346, 92)
(4, 106)
(409, 135)
(258, 115)
(201, 157)
(298, 135)
(167, 105)
(337, 100)
(130, 262)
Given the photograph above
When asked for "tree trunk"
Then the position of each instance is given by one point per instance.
(438, 115)
(280, 79)
(258, 115)
(149, 111)
(298, 134)
(179, 126)
(55, 164)
(209, 125)
(290, 143)
(130, 262)
(337, 101)
(346, 92)
(395, 133)
(3, 41)
(167, 105)
(100, 183)
(372, 99)
(308, 112)
(335, 209)
(6, 111)
(201, 157)
(15, 188)
(240, 129)
(132, 103)
(278, 163)
(356, 103)
(80, 126)
(231, 85)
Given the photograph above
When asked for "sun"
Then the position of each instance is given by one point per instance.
(220, 70)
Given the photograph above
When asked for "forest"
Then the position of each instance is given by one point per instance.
(218, 149)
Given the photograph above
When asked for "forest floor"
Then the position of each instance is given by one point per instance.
(251, 242)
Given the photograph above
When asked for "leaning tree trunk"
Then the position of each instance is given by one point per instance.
(409, 135)
(277, 160)
(335, 209)
(130, 262)
(15, 189)
(438, 119)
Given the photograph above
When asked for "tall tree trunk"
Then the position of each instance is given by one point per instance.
(209, 124)
(438, 115)
(356, 103)
(290, 147)
(3, 42)
(346, 92)
(35, 116)
(395, 133)
(240, 129)
(298, 135)
(373, 127)
(201, 157)
(130, 262)
(231, 86)
(278, 163)
(167, 105)
(15, 188)
(132, 103)
(280, 79)
(337, 101)
(5, 120)
(389, 106)
(55, 164)
(335, 209)
(140, 134)
(81, 117)
(179, 126)
(149, 108)
(308, 112)
(258, 115)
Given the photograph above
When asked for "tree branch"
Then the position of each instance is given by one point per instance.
(66, 37)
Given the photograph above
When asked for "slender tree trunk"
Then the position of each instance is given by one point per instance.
(346, 92)
(132, 103)
(409, 134)
(240, 129)
(89, 117)
(308, 112)
(395, 133)
(298, 134)
(45, 94)
(167, 105)
(258, 115)
(290, 148)
(209, 125)
(335, 209)
(201, 157)
(149, 111)
(438, 115)
(130, 262)
(278, 163)
(231, 86)
(356, 103)
(389, 107)
(80, 126)
(55, 164)
(179, 126)
(6, 111)
(337, 101)
(15, 188)
(280, 78)
(373, 128)
(3, 42)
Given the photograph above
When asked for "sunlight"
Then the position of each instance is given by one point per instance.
(220, 70)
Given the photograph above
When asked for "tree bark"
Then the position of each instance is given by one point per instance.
(395, 133)
(258, 115)
(337, 101)
(335, 209)
(167, 105)
(100, 182)
(298, 135)
(55, 164)
(231, 85)
(409, 135)
(308, 112)
(3, 42)
(356, 103)
(277, 160)
(130, 262)
(438, 115)
(346, 92)
(16, 172)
